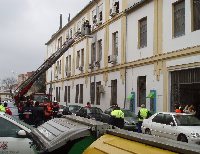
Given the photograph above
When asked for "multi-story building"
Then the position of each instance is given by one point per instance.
(139, 52)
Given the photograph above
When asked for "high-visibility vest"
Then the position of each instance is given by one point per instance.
(117, 114)
(2, 108)
(143, 113)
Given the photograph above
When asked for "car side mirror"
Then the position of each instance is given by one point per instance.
(171, 123)
(21, 134)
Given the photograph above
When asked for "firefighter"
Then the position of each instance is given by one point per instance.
(28, 113)
(7, 110)
(143, 113)
(47, 111)
(55, 109)
(117, 117)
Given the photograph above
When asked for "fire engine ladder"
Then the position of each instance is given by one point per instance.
(26, 85)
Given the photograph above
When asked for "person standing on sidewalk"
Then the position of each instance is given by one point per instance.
(143, 113)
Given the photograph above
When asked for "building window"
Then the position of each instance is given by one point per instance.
(196, 15)
(93, 52)
(141, 90)
(142, 32)
(68, 94)
(82, 57)
(179, 18)
(60, 43)
(65, 95)
(70, 60)
(99, 53)
(94, 16)
(60, 67)
(57, 67)
(92, 92)
(77, 93)
(115, 43)
(70, 33)
(100, 9)
(98, 94)
(59, 94)
(77, 59)
(67, 65)
(81, 94)
(79, 26)
(113, 100)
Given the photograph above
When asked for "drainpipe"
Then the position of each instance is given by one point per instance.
(125, 91)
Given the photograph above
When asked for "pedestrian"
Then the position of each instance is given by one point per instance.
(177, 109)
(143, 113)
(8, 111)
(189, 109)
(38, 114)
(117, 117)
(88, 105)
(55, 109)
(2, 108)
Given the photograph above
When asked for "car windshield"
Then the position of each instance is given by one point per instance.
(20, 122)
(94, 111)
(128, 113)
(73, 108)
(187, 120)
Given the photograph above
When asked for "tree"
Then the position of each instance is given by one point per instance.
(9, 83)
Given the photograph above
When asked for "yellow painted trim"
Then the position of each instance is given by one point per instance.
(158, 8)
(107, 10)
(106, 46)
(63, 66)
(124, 5)
(73, 62)
(184, 66)
(123, 39)
(165, 87)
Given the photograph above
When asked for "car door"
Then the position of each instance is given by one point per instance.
(106, 115)
(169, 127)
(157, 125)
(10, 142)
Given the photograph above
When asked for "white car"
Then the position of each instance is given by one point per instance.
(177, 126)
(15, 136)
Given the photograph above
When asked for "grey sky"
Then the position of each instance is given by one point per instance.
(25, 27)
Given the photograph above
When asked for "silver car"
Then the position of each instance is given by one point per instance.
(14, 136)
(176, 126)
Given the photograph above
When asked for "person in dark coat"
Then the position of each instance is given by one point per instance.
(38, 115)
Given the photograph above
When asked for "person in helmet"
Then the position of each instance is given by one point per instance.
(55, 109)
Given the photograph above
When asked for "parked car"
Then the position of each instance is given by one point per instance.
(130, 118)
(60, 111)
(90, 113)
(13, 133)
(177, 126)
(70, 109)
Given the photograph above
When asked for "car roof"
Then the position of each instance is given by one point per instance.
(174, 113)
(2, 113)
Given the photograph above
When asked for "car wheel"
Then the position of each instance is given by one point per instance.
(147, 131)
(182, 138)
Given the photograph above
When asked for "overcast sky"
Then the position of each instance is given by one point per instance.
(25, 27)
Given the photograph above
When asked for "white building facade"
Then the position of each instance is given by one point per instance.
(139, 52)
